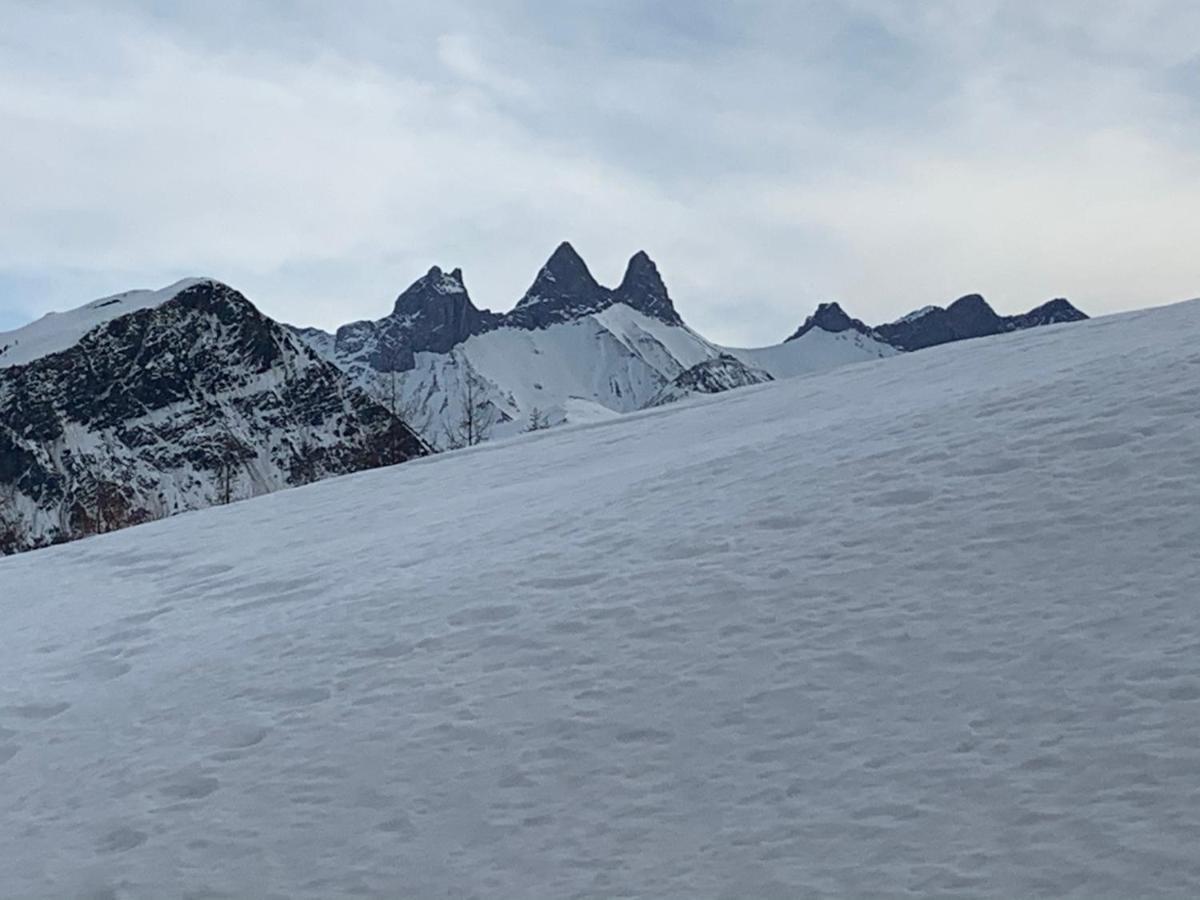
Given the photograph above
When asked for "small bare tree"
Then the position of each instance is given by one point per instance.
(304, 469)
(478, 414)
(387, 379)
(388, 389)
(225, 478)
(12, 525)
(229, 464)
(538, 420)
(112, 510)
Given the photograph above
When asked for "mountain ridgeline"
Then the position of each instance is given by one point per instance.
(149, 403)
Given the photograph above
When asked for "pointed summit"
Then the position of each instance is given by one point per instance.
(564, 277)
(643, 289)
(567, 260)
(564, 289)
(642, 271)
(832, 318)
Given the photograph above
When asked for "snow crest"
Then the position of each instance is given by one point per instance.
(55, 332)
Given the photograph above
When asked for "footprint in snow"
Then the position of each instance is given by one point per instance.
(120, 839)
(36, 712)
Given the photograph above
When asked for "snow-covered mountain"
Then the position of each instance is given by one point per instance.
(570, 344)
(148, 403)
(568, 339)
(920, 627)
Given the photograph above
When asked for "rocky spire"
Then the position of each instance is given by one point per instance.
(643, 289)
(564, 289)
(429, 289)
(564, 278)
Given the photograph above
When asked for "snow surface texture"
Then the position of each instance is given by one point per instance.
(919, 627)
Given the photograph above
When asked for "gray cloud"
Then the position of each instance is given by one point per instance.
(769, 155)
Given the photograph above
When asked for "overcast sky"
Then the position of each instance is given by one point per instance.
(768, 155)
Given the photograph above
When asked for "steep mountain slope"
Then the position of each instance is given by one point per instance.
(925, 626)
(712, 376)
(146, 404)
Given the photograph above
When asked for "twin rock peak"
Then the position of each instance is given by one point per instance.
(564, 289)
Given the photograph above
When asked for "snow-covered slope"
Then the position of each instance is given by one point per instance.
(147, 404)
(920, 627)
(618, 358)
(55, 332)
(814, 351)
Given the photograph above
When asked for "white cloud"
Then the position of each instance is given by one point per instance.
(781, 154)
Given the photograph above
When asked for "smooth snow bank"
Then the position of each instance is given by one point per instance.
(814, 351)
(923, 627)
(55, 332)
(577, 410)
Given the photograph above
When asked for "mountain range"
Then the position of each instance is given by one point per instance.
(149, 403)
(570, 344)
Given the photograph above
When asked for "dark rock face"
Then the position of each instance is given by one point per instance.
(433, 315)
(201, 399)
(968, 317)
(712, 376)
(440, 312)
(832, 318)
(643, 289)
(1050, 313)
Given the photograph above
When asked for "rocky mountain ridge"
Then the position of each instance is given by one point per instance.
(183, 398)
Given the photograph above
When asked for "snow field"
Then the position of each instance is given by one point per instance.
(925, 626)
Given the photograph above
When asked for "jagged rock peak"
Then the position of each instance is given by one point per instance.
(832, 318)
(1049, 313)
(642, 270)
(565, 276)
(643, 289)
(431, 286)
(565, 257)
